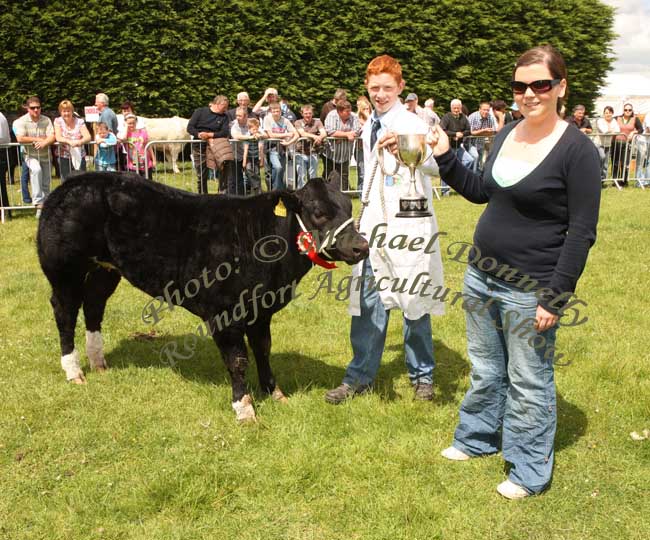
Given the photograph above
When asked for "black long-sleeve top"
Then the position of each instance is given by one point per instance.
(545, 224)
(203, 119)
(453, 124)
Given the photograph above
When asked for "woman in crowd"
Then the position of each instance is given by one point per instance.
(607, 127)
(628, 125)
(71, 133)
(541, 184)
(364, 110)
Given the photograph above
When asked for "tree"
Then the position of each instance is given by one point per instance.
(170, 56)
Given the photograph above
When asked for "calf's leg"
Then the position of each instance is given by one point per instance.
(259, 338)
(66, 300)
(233, 350)
(100, 284)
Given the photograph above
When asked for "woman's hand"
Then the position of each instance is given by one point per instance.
(438, 140)
(544, 319)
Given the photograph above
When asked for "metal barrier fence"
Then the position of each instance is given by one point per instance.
(272, 165)
(259, 165)
(622, 160)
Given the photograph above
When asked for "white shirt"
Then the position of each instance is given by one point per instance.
(5, 137)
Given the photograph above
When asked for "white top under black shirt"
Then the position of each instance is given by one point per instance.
(543, 225)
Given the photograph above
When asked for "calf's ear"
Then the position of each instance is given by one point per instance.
(290, 201)
(334, 178)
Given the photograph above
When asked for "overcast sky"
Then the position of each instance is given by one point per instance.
(631, 73)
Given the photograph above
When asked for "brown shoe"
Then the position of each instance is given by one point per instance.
(423, 392)
(344, 392)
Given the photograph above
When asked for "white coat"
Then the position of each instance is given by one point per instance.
(403, 270)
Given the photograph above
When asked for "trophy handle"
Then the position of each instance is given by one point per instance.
(380, 160)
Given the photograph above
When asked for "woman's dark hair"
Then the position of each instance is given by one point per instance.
(551, 58)
(631, 107)
(609, 108)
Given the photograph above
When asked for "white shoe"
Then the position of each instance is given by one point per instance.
(510, 490)
(38, 213)
(454, 454)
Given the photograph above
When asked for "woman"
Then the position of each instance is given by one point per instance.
(542, 185)
(71, 133)
(628, 125)
(364, 110)
(607, 126)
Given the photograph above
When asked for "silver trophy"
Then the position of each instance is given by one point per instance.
(411, 153)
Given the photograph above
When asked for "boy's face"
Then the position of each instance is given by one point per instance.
(276, 111)
(102, 131)
(383, 90)
(253, 129)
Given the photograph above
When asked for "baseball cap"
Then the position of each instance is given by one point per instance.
(411, 97)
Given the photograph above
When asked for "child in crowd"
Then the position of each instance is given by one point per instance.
(254, 156)
(105, 158)
(136, 140)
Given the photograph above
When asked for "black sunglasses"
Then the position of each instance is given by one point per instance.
(538, 87)
(627, 110)
(34, 107)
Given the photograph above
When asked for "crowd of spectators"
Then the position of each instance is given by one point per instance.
(264, 133)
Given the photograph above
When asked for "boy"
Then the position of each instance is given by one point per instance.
(106, 141)
(278, 127)
(370, 306)
(254, 156)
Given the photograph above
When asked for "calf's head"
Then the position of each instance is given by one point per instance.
(326, 213)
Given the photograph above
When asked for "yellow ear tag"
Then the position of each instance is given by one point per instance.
(280, 209)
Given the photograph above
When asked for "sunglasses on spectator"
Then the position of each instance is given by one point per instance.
(627, 110)
(538, 87)
(34, 107)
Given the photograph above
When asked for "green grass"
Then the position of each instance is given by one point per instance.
(147, 451)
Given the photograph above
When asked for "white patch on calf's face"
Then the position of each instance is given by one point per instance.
(71, 365)
(95, 350)
(244, 409)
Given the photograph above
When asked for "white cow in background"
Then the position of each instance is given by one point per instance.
(168, 129)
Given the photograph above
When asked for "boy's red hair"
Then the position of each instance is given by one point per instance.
(384, 64)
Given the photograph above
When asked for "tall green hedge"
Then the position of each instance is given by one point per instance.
(170, 56)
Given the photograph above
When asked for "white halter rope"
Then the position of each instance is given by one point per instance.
(330, 239)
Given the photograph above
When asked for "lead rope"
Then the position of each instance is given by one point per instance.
(365, 201)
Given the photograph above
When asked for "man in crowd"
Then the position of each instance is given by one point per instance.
(106, 114)
(239, 132)
(481, 125)
(343, 125)
(427, 115)
(578, 119)
(456, 126)
(429, 104)
(36, 132)
(5, 138)
(312, 129)
(329, 106)
(243, 100)
(210, 125)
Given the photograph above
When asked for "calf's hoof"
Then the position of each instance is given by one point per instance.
(244, 409)
(279, 396)
(79, 379)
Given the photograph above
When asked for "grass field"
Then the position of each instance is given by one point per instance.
(147, 451)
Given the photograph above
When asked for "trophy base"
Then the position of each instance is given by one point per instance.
(413, 208)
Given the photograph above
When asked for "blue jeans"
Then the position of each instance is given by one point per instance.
(24, 183)
(368, 336)
(277, 170)
(306, 166)
(511, 400)
(66, 168)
